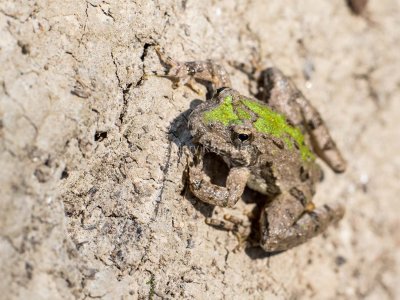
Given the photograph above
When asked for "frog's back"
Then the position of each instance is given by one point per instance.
(280, 168)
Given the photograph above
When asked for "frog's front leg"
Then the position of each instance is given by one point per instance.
(186, 72)
(227, 196)
(285, 223)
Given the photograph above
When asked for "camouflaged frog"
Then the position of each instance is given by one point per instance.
(269, 145)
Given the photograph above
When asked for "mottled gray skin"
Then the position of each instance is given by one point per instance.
(261, 161)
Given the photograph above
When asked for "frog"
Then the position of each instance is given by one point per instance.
(270, 144)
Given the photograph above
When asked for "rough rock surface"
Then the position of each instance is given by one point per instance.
(91, 167)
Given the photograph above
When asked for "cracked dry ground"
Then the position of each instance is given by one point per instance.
(92, 202)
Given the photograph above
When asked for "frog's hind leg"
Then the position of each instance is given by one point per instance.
(177, 71)
(187, 72)
(285, 223)
(281, 94)
(323, 144)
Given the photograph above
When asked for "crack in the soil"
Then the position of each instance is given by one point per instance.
(164, 178)
(107, 13)
(116, 69)
(125, 91)
(85, 24)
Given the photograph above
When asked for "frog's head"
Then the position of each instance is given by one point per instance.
(232, 126)
(223, 126)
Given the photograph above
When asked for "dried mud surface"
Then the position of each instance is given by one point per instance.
(91, 168)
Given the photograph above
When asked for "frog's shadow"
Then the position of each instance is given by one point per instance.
(217, 170)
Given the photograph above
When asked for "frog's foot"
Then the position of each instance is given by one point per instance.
(282, 230)
(185, 73)
(177, 70)
(282, 95)
(239, 227)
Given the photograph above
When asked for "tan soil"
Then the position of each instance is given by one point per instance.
(91, 173)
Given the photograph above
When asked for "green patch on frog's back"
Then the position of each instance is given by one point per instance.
(268, 121)
(273, 123)
(223, 113)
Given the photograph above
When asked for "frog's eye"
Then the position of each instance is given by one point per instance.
(243, 136)
(240, 138)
